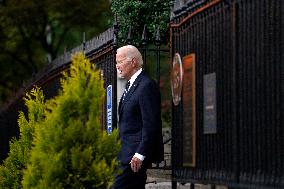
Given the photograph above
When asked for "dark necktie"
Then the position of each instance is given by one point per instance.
(125, 90)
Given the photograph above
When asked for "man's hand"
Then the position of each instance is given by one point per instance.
(136, 164)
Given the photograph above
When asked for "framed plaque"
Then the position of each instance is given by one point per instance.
(189, 111)
(176, 79)
(209, 104)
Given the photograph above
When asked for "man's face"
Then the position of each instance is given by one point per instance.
(124, 66)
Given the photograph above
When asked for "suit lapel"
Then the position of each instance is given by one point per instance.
(130, 92)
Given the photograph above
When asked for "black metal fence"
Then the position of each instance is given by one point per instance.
(101, 51)
(242, 41)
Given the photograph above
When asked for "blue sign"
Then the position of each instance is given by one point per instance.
(109, 109)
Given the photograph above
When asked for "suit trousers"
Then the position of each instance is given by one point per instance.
(131, 180)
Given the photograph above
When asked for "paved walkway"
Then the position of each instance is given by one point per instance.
(161, 179)
(168, 185)
(165, 185)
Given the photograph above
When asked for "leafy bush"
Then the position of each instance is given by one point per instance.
(137, 13)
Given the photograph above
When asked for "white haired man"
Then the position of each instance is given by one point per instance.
(140, 127)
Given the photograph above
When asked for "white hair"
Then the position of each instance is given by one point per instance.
(130, 52)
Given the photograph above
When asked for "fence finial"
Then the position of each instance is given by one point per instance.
(129, 37)
(158, 37)
(115, 30)
(144, 35)
(115, 20)
(84, 41)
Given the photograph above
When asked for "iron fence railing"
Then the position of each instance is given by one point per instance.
(101, 51)
(242, 42)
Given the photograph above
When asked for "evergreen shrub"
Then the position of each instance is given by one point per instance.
(61, 144)
(11, 171)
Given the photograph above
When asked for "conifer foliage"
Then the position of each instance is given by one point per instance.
(69, 149)
(11, 172)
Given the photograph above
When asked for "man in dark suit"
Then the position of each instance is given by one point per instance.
(140, 127)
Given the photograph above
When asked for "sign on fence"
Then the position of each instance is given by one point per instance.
(189, 111)
(109, 109)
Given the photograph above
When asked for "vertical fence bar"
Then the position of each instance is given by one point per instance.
(234, 88)
(84, 41)
(144, 47)
(158, 45)
(115, 46)
(129, 39)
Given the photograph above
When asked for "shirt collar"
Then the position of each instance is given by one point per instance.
(133, 78)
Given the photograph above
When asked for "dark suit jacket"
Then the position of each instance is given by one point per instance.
(140, 125)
